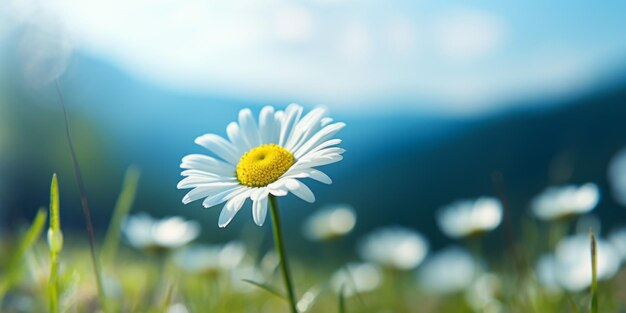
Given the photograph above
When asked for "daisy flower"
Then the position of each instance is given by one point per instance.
(144, 232)
(570, 265)
(448, 271)
(470, 217)
(261, 158)
(561, 202)
(210, 259)
(394, 247)
(356, 278)
(330, 223)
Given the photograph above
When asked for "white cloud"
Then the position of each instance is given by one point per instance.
(355, 42)
(294, 24)
(355, 54)
(402, 36)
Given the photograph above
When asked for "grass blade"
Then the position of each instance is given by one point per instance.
(594, 273)
(122, 207)
(266, 287)
(84, 203)
(342, 300)
(27, 242)
(573, 304)
(55, 243)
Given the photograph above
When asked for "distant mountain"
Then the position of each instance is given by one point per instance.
(569, 143)
(398, 169)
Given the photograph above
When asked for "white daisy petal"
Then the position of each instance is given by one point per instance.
(309, 173)
(317, 162)
(231, 208)
(326, 121)
(206, 190)
(300, 190)
(259, 209)
(193, 181)
(320, 176)
(278, 192)
(220, 146)
(236, 138)
(321, 146)
(323, 153)
(307, 126)
(268, 125)
(290, 119)
(320, 137)
(220, 197)
(249, 128)
(207, 164)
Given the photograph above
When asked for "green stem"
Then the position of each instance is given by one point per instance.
(53, 283)
(280, 250)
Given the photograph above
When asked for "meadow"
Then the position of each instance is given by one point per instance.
(554, 263)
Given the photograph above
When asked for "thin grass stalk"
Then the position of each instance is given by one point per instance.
(594, 273)
(280, 250)
(122, 207)
(84, 203)
(342, 300)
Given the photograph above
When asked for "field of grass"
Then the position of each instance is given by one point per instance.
(59, 276)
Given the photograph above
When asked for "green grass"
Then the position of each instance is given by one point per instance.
(58, 277)
(141, 283)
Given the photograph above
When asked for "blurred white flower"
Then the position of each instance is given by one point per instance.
(329, 223)
(144, 232)
(470, 217)
(570, 266)
(559, 202)
(207, 259)
(269, 262)
(546, 270)
(617, 176)
(482, 295)
(448, 271)
(177, 308)
(618, 239)
(394, 247)
(356, 278)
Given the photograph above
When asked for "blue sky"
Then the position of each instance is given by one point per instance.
(452, 57)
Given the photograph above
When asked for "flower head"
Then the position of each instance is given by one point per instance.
(570, 266)
(263, 158)
(448, 271)
(469, 217)
(356, 278)
(144, 232)
(394, 247)
(210, 259)
(560, 202)
(330, 222)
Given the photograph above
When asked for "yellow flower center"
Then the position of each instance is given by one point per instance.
(263, 165)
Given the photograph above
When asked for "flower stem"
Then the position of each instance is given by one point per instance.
(280, 249)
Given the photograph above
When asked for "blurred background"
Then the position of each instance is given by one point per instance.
(444, 100)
